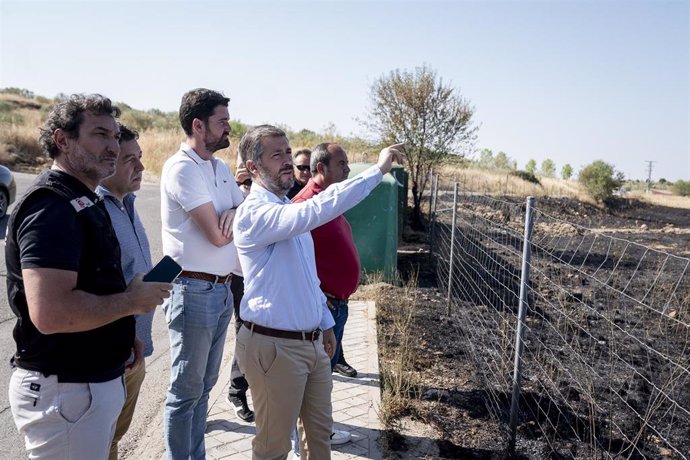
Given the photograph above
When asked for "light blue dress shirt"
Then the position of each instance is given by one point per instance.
(273, 240)
(135, 252)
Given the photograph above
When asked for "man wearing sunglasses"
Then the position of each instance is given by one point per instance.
(302, 168)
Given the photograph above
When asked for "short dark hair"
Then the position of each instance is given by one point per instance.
(68, 115)
(306, 152)
(250, 145)
(199, 103)
(320, 154)
(127, 134)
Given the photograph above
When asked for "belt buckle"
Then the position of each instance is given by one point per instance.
(315, 334)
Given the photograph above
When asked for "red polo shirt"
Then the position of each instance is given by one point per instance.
(337, 260)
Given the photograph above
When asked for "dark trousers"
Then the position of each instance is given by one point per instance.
(238, 384)
(339, 310)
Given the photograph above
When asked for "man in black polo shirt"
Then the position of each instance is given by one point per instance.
(74, 328)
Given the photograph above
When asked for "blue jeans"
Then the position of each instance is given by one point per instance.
(339, 310)
(198, 313)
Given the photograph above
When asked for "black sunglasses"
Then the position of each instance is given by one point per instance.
(302, 167)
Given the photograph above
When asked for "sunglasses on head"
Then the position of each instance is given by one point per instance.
(302, 167)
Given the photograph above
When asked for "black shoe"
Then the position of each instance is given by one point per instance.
(241, 408)
(345, 370)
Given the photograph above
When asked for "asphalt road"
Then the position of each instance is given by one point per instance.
(152, 393)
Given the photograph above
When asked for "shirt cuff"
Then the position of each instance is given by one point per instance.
(327, 320)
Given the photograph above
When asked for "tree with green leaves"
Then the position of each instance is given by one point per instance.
(502, 161)
(567, 171)
(486, 159)
(600, 180)
(432, 118)
(531, 166)
(548, 168)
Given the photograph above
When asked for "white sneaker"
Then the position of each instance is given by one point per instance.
(340, 437)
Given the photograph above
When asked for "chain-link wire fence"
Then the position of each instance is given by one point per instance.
(605, 362)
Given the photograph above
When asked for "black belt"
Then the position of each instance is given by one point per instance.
(207, 276)
(331, 296)
(312, 336)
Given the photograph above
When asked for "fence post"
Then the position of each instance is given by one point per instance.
(432, 213)
(522, 311)
(452, 244)
(431, 191)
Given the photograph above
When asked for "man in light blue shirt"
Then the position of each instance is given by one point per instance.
(135, 254)
(280, 348)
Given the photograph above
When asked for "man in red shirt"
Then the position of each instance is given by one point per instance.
(337, 260)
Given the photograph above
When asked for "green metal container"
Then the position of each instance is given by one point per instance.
(402, 176)
(375, 225)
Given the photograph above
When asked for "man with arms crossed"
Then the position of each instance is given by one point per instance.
(75, 328)
(198, 200)
(135, 255)
(284, 311)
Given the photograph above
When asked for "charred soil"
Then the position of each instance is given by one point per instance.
(444, 410)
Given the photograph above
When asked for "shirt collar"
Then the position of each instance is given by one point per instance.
(105, 193)
(261, 192)
(192, 154)
(316, 188)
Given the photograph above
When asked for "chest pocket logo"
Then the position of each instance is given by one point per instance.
(81, 203)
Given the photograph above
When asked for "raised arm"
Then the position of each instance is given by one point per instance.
(260, 223)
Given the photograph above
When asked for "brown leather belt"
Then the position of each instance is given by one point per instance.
(207, 276)
(312, 336)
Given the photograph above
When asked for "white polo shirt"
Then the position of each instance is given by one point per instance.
(187, 182)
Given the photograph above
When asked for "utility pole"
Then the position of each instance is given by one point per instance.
(650, 166)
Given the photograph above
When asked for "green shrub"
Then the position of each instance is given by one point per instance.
(681, 187)
(600, 180)
(526, 176)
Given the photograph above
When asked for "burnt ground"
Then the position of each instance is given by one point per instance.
(445, 410)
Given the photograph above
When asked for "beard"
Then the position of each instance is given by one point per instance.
(96, 167)
(214, 144)
(277, 183)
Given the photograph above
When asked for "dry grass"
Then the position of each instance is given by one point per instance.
(158, 146)
(671, 201)
(503, 183)
(396, 307)
(19, 147)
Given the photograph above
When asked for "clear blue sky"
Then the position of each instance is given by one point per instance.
(573, 81)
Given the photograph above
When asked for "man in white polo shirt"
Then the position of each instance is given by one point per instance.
(280, 347)
(198, 201)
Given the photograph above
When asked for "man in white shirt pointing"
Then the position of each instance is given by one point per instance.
(287, 338)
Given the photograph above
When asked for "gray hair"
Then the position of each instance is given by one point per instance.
(250, 147)
(320, 154)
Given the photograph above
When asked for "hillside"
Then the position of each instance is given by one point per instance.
(22, 113)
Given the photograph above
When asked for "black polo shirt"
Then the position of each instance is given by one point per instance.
(61, 224)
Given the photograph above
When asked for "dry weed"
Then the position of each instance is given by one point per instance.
(398, 350)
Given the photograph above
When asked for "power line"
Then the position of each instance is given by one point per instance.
(650, 166)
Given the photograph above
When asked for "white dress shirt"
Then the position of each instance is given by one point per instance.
(273, 239)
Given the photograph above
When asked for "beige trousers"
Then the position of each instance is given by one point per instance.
(288, 378)
(133, 380)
